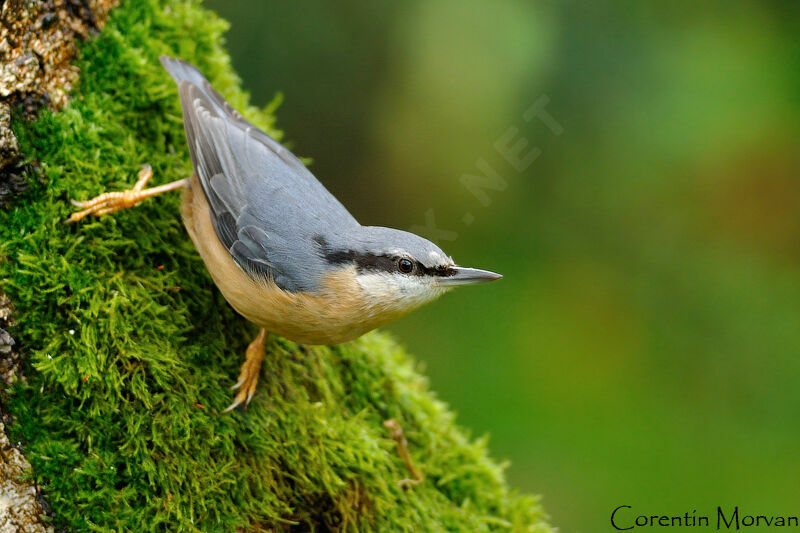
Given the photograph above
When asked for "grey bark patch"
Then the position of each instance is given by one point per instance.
(6, 341)
(20, 510)
(10, 368)
(9, 146)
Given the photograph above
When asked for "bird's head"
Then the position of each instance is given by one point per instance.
(397, 271)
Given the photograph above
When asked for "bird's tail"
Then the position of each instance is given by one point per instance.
(191, 84)
(180, 71)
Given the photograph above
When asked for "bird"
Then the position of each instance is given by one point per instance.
(283, 251)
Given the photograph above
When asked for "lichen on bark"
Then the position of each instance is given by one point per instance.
(132, 350)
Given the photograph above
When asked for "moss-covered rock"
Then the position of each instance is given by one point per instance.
(131, 349)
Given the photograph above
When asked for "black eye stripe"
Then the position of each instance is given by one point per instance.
(441, 271)
(365, 262)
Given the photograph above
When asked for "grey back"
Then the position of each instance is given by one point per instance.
(268, 210)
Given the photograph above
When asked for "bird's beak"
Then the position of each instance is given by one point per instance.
(467, 276)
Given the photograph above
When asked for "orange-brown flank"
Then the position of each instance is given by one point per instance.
(338, 312)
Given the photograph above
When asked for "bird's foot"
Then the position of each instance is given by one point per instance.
(248, 377)
(111, 202)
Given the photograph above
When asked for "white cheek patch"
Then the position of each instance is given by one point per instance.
(397, 291)
(378, 284)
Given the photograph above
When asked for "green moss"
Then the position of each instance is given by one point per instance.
(132, 350)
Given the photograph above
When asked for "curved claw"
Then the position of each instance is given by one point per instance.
(248, 377)
(243, 396)
(238, 383)
(236, 403)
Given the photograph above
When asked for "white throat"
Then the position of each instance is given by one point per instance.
(397, 292)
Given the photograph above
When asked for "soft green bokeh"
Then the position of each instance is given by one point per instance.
(643, 346)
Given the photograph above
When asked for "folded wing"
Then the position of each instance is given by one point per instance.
(267, 209)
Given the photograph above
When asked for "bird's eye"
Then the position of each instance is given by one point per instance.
(405, 265)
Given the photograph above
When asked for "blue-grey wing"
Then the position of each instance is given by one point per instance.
(267, 209)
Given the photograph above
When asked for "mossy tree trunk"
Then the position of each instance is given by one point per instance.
(131, 350)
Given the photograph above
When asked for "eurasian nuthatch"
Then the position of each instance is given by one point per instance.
(282, 250)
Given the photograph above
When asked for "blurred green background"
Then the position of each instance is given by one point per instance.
(643, 346)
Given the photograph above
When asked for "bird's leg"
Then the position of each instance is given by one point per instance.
(248, 377)
(111, 202)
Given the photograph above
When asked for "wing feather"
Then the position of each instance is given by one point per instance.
(267, 208)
